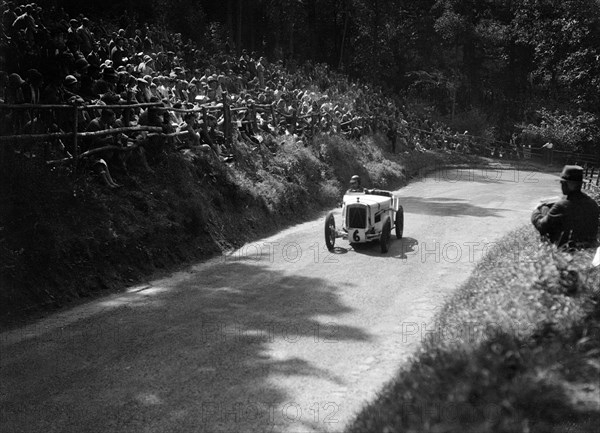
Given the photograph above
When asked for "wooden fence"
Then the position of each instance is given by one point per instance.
(206, 110)
(224, 110)
(588, 177)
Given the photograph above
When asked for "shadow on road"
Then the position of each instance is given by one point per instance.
(195, 356)
(447, 207)
(399, 248)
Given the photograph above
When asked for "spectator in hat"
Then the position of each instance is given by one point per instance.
(145, 67)
(131, 143)
(190, 125)
(214, 91)
(572, 221)
(8, 17)
(32, 89)
(73, 41)
(83, 73)
(162, 88)
(152, 116)
(3, 83)
(15, 119)
(107, 83)
(80, 66)
(192, 91)
(125, 82)
(261, 71)
(103, 49)
(85, 37)
(71, 86)
(25, 22)
(211, 135)
(143, 93)
(105, 121)
(118, 55)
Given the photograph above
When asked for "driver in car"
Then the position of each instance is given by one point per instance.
(355, 184)
(356, 187)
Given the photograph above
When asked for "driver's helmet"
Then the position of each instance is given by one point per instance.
(355, 182)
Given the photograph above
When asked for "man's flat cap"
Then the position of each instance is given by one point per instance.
(70, 80)
(81, 64)
(572, 172)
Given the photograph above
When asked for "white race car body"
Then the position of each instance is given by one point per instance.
(364, 218)
(363, 215)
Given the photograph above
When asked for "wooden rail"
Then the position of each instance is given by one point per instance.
(588, 177)
(227, 114)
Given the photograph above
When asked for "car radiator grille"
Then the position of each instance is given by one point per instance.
(357, 217)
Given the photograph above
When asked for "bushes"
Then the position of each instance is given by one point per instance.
(566, 131)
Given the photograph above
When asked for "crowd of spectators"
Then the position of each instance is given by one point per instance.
(50, 57)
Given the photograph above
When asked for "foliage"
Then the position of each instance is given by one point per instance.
(566, 130)
(498, 56)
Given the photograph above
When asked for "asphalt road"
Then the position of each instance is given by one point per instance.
(280, 336)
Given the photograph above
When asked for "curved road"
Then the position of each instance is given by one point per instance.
(280, 336)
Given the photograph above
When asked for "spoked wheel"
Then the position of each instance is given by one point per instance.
(330, 231)
(386, 236)
(399, 222)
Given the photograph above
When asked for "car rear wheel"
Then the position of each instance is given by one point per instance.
(330, 231)
(386, 236)
(399, 222)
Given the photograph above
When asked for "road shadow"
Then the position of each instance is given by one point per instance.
(399, 248)
(447, 207)
(194, 355)
(339, 250)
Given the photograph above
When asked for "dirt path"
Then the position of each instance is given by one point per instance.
(280, 336)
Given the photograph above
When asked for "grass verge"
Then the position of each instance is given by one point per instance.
(516, 349)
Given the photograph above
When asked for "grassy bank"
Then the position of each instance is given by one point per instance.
(516, 349)
(64, 238)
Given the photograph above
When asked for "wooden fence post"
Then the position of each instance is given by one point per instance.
(205, 121)
(274, 116)
(294, 119)
(75, 130)
(227, 119)
(254, 123)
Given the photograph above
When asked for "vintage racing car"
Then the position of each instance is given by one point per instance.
(367, 215)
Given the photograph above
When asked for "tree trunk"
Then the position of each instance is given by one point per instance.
(291, 43)
(312, 19)
(343, 40)
(253, 29)
(229, 19)
(238, 38)
(376, 20)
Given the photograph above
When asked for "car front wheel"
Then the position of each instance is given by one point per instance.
(399, 223)
(330, 231)
(386, 235)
